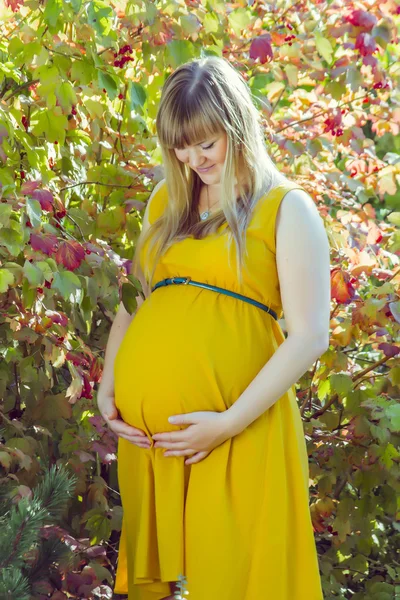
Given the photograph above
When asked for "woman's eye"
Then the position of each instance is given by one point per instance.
(208, 147)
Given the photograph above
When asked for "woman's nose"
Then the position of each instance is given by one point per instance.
(196, 160)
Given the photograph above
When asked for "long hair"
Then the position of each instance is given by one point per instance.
(202, 98)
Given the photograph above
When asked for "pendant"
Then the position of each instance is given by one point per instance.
(204, 215)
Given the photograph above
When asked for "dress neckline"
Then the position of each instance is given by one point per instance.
(256, 208)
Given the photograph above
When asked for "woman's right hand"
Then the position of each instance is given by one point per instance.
(110, 414)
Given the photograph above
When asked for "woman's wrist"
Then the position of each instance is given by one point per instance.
(233, 427)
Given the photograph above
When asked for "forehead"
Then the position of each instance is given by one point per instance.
(183, 130)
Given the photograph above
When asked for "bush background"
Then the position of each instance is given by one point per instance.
(79, 89)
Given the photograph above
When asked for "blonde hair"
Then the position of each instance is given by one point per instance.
(201, 98)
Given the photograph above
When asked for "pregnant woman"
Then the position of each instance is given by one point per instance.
(229, 245)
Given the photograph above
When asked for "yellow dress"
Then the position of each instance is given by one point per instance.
(237, 524)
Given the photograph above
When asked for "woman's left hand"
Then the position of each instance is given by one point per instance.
(206, 431)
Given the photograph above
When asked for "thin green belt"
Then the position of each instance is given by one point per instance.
(189, 281)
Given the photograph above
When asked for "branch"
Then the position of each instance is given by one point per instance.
(114, 185)
(322, 112)
(21, 87)
(321, 411)
(361, 374)
(103, 310)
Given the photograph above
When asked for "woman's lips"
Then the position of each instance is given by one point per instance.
(205, 170)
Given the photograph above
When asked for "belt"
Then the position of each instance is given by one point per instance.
(189, 281)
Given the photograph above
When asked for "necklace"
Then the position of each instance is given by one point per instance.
(204, 215)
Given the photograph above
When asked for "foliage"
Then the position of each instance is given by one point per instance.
(79, 88)
(29, 550)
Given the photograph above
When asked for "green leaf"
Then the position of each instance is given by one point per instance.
(394, 373)
(112, 219)
(28, 294)
(66, 95)
(5, 460)
(179, 52)
(101, 572)
(100, 16)
(46, 269)
(53, 10)
(76, 5)
(66, 283)
(341, 383)
(83, 72)
(33, 274)
(137, 94)
(211, 22)
(324, 389)
(5, 213)
(51, 124)
(190, 23)
(354, 78)
(34, 211)
(292, 73)
(324, 47)
(129, 294)
(98, 525)
(393, 412)
(394, 218)
(239, 19)
(388, 455)
(12, 240)
(79, 136)
(108, 82)
(6, 279)
(52, 408)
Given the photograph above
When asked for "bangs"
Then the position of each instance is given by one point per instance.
(188, 120)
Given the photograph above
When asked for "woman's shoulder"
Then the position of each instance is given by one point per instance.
(268, 209)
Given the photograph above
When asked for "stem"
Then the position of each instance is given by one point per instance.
(361, 374)
(322, 112)
(113, 185)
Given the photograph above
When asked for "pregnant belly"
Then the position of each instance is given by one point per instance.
(172, 361)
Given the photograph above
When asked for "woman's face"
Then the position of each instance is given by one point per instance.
(207, 158)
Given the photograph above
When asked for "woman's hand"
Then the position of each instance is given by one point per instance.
(110, 414)
(206, 431)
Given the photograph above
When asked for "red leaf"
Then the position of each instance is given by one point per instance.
(333, 121)
(59, 208)
(95, 370)
(45, 198)
(57, 317)
(84, 456)
(29, 186)
(46, 243)
(341, 288)
(98, 423)
(70, 254)
(261, 48)
(77, 359)
(365, 44)
(87, 388)
(14, 4)
(106, 453)
(389, 350)
(361, 18)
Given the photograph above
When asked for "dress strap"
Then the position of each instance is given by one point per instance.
(269, 211)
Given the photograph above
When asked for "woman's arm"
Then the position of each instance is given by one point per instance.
(302, 256)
